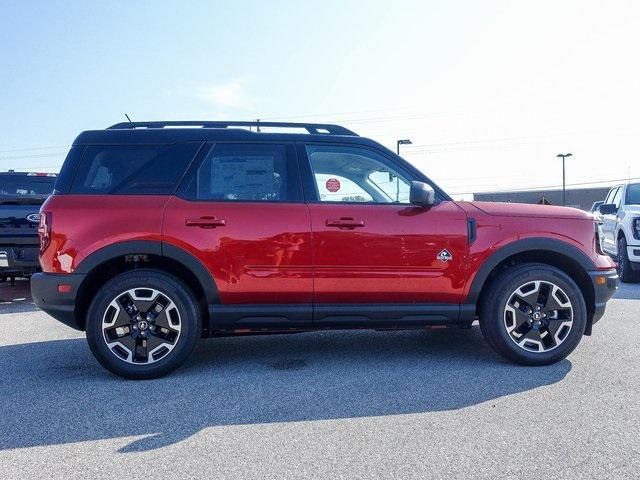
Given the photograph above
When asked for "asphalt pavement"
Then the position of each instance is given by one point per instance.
(418, 404)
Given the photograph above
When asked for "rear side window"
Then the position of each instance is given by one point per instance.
(132, 169)
(26, 185)
(247, 172)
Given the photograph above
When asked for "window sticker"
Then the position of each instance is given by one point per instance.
(333, 185)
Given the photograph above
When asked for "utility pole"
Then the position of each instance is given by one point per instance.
(402, 142)
(564, 189)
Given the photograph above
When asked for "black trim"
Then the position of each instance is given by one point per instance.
(267, 315)
(603, 292)
(115, 250)
(471, 230)
(385, 314)
(225, 317)
(149, 247)
(525, 245)
(61, 306)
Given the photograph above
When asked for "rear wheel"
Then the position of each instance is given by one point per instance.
(534, 314)
(625, 272)
(143, 324)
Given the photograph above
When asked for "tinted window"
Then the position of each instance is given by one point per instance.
(69, 167)
(353, 174)
(133, 169)
(246, 172)
(633, 194)
(23, 185)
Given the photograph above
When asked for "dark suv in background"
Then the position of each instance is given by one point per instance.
(157, 236)
(21, 194)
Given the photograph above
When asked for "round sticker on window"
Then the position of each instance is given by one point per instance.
(333, 184)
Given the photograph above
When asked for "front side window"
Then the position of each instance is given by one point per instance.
(356, 175)
(618, 197)
(246, 172)
(633, 194)
(132, 169)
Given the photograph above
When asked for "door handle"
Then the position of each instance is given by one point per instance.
(344, 222)
(205, 222)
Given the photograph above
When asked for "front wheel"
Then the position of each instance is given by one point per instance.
(533, 314)
(625, 272)
(143, 324)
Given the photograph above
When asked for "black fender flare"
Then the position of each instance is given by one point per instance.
(157, 248)
(520, 246)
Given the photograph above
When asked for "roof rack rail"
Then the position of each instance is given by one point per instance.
(313, 128)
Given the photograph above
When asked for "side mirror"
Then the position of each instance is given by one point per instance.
(422, 194)
(608, 209)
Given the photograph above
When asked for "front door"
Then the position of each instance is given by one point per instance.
(240, 213)
(610, 220)
(371, 246)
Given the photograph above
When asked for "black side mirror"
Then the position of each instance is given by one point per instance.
(608, 208)
(422, 194)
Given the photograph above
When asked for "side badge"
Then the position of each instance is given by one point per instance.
(444, 256)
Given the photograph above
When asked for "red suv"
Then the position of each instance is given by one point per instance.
(158, 236)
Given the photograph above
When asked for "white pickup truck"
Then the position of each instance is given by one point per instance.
(619, 217)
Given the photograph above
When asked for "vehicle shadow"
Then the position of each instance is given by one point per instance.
(54, 392)
(627, 291)
(16, 297)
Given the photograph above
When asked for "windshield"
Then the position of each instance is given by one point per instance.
(26, 186)
(633, 194)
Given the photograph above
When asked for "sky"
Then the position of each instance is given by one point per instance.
(488, 92)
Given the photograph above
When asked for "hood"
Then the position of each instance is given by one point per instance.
(632, 209)
(526, 210)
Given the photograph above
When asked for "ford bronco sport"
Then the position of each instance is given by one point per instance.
(157, 236)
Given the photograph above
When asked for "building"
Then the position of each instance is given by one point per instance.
(581, 198)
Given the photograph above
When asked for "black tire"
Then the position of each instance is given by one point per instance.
(186, 319)
(493, 314)
(625, 272)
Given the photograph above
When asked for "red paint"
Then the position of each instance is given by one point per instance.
(324, 252)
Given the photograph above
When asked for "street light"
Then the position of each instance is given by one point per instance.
(402, 142)
(564, 190)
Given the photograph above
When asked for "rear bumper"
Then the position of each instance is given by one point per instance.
(46, 296)
(605, 283)
(18, 259)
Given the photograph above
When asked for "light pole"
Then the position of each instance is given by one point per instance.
(564, 189)
(402, 142)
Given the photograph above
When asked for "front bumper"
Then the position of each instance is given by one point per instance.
(18, 259)
(605, 283)
(45, 290)
(633, 253)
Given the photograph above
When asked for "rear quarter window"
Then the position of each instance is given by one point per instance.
(132, 169)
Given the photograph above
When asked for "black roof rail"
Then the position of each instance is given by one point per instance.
(313, 128)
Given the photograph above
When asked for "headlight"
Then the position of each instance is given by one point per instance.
(636, 228)
(599, 237)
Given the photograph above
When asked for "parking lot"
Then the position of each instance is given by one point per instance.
(418, 404)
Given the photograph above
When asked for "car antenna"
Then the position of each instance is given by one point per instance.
(128, 118)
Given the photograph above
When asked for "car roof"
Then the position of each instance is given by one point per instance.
(198, 131)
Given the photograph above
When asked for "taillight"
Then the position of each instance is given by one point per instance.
(44, 231)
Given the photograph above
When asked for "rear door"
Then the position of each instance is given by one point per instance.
(370, 245)
(240, 213)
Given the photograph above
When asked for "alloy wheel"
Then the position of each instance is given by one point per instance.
(141, 325)
(538, 316)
